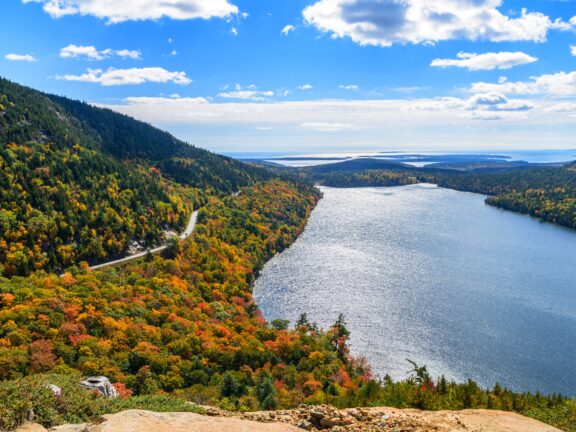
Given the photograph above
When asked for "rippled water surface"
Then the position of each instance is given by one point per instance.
(438, 277)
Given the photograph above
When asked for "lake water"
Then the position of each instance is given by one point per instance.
(438, 277)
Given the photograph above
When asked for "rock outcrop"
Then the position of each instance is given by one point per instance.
(316, 418)
(326, 418)
(101, 384)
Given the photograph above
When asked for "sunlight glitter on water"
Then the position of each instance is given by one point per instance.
(439, 277)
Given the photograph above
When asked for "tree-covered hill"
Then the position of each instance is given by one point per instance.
(545, 191)
(128, 139)
(81, 183)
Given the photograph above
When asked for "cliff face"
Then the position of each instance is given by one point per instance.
(319, 418)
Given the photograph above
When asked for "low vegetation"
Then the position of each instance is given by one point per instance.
(21, 397)
(423, 392)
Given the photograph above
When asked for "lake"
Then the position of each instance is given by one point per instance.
(438, 277)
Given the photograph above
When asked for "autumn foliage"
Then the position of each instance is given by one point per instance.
(182, 325)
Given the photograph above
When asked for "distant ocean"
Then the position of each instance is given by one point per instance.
(307, 159)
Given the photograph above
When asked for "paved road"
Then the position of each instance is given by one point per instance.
(187, 233)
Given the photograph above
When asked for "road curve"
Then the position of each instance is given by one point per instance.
(187, 233)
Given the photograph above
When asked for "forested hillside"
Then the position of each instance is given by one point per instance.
(547, 193)
(183, 323)
(128, 139)
(81, 183)
(188, 326)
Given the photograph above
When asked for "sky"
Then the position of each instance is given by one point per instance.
(310, 76)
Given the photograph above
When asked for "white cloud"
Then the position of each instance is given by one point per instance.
(234, 31)
(484, 106)
(407, 90)
(327, 127)
(132, 54)
(20, 57)
(306, 87)
(560, 84)
(328, 115)
(114, 77)
(287, 29)
(250, 93)
(365, 124)
(91, 53)
(493, 116)
(351, 87)
(563, 107)
(173, 99)
(487, 61)
(386, 22)
(573, 50)
(136, 10)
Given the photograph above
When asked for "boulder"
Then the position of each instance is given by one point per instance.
(306, 425)
(101, 384)
(55, 389)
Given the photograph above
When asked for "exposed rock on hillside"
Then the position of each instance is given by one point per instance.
(318, 418)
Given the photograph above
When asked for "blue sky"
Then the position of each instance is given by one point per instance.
(348, 75)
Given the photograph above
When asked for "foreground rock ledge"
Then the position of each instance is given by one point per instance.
(320, 418)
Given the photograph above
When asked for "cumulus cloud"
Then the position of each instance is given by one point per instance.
(386, 22)
(114, 77)
(485, 106)
(560, 84)
(351, 87)
(250, 93)
(573, 50)
(20, 57)
(136, 10)
(306, 87)
(91, 53)
(487, 61)
(287, 29)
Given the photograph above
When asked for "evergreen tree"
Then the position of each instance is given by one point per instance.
(265, 392)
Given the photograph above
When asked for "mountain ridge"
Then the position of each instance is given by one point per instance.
(82, 183)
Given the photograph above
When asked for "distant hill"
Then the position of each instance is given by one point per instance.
(357, 165)
(81, 183)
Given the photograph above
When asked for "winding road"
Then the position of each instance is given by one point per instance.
(187, 233)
